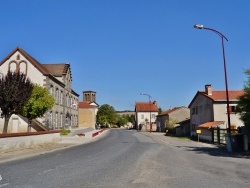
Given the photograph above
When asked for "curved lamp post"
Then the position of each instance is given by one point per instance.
(199, 26)
(149, 109)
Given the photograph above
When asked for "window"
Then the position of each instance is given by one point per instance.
(142, 116)
(51, 90)
(61, 120)
(153, 116)
(232, 109)
(13, 66)
(56, 123)
(51, 120)
(61, 98)
(193, 110)
(66, 100)
(57, 95)
(23, 67)
(196, 109)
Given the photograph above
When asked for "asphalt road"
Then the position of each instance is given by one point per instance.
(124, 158)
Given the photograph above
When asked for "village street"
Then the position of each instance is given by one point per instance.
(127, 158)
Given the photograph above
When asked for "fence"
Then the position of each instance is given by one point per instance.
(218, 135)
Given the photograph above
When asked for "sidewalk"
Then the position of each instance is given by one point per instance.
(198, 147)
(66, 142)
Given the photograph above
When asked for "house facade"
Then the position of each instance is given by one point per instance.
(209, 109)
(145, 113)
(57, 78)
(88, 109)
(181, 115)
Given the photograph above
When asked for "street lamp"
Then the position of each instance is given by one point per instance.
(199, 26)
(149, 109)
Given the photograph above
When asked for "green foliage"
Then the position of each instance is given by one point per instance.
(159, 110)
(64, 132)
(15, 91)
(106, 115)
(170, 124)
(131, 118)
(122, 120)
(114, 126)
(40, 101)
(243, 107)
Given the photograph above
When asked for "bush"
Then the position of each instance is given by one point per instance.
(114, 126)
(64, 132)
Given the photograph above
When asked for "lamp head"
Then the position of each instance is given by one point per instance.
(198, 26)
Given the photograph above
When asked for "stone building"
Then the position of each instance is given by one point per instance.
(88, 110)
(57, 78)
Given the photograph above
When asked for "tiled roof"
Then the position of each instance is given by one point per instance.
(85, 104)
(146, 107)
(169, 111)
(56, 69)
(221, 95)
(210, 124)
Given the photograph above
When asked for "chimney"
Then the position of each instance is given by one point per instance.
(208, 89)
(155, 103)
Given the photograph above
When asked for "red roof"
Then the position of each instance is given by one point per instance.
(146, 107)
(221, 95)
(210, 124)
(85, 104)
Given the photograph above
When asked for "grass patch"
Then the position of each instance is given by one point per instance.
(180, 137)
(64, 132)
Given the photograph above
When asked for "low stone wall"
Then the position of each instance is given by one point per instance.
(22, 141)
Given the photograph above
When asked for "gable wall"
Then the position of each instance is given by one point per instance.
(33, 74)
(201, 111)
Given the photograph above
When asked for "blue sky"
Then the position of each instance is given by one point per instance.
(121, 48)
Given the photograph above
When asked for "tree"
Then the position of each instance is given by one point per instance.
(122, 120)
(170, 124)
(40, 101)
(106, 115)
(159, 110)
(15, 91)
(243, 107)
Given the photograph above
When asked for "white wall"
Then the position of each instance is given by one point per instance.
(21, 142)
(32, 73)
(16, 124)
(220, 114)
(146, 115)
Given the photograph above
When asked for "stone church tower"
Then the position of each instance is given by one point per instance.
(89, 96)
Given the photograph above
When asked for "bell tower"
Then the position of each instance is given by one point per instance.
(89, 96)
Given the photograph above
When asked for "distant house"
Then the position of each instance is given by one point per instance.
(179, 114)
(209, 109)
(88, 109)
(57, 78)
(145, 113)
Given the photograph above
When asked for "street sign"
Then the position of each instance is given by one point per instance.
(198, 131)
